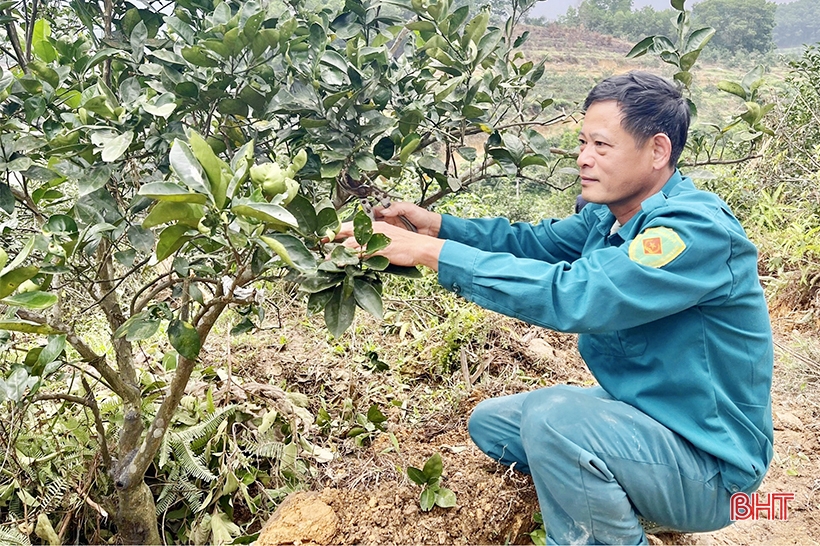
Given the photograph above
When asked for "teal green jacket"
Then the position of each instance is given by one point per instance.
(671, 315)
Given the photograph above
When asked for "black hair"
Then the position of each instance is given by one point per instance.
(649, 105)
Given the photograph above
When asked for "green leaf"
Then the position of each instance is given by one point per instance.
(641, 47)
(137, 40)
(50, 353)
(401, 271)
(168, 191)
(433, 467)
(698, 39)
(302, 209)
(17, 384)
(292, 250)
(60, 224)
(432, 164)
(468, 153)
(212, 165)
(408, 146)
(165, 212)
(339, 312)
(445, 498)
(514, 146)
(6, 198)
(377, 242)
(171, 239)
(416, 475)
(94, 179)
(276, 215)
(27, 327)
(197, 56)
(318, 301)
(40, 44)
(138, 327)
(476, 28)
(222, 528)
(377, 263)
(684, 77)
(45, 72)
(362, 228)
(427, 499)
(187, 168)
(19, 259)
(319, 281)
(678, 4)
(115, 147)
(530, 160)
(184, 338)
(10, 281)
(31, 300)
(733, 88)
(342, 256)
(368, 298)
(327, 219)
(384, 148)
(375, 416)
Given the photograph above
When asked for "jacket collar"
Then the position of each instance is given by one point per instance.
(674, 185)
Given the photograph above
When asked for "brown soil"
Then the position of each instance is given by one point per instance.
(375, 502)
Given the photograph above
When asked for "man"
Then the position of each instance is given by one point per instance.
(661, 282)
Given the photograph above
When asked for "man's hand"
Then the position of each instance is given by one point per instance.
(426, 222)
(406, 248)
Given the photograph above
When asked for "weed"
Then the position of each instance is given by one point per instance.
(432, 494)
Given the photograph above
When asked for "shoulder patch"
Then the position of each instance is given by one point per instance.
(656, 247)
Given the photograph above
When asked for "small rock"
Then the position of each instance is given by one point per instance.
(789, 420)
(301, 519)
(541, 348)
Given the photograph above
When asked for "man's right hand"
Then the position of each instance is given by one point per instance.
(426, 222)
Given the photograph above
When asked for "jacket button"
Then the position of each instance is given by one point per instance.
(456, 288)
(735, 488)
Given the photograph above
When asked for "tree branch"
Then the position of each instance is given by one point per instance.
(11, 32)
(132, 466)
(98, 362)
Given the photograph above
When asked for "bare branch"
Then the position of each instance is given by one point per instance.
(11, 32)
(132, 466)
(98, 362)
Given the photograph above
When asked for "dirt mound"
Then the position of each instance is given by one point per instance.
(495, 504)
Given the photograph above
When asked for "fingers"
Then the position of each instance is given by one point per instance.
(345, 231)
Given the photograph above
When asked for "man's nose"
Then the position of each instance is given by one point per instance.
(584, 159)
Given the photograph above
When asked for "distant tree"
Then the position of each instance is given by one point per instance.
(743, 25)
(617, 18)
(797, 23)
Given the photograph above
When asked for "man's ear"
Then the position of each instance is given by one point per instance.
(661, 150)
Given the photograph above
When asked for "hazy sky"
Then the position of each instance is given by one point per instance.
(552, 9)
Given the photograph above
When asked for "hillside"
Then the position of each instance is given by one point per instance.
(552, 9)
(576, 59)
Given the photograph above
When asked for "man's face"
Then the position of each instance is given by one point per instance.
(614, 170)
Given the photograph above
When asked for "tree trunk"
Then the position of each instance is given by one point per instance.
(137, 516)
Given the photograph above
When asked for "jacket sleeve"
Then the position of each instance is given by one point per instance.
(549, 241)
(605, 290)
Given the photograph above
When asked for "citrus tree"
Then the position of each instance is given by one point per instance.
(160, 160)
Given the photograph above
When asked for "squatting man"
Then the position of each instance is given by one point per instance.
(660, 281)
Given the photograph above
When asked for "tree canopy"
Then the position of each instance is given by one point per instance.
(797, 23)
(744, 25)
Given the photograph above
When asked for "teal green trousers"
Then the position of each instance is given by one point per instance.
(599, 464)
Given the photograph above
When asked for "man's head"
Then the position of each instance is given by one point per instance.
(649, 105)
(633, 133)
